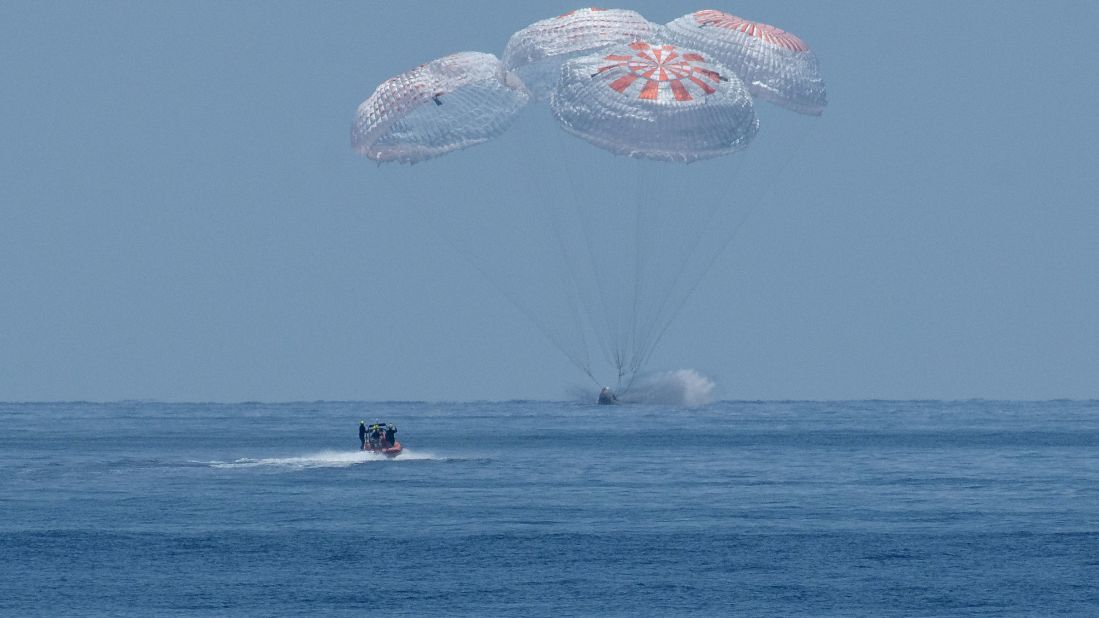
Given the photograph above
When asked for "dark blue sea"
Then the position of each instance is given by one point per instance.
(869, 508)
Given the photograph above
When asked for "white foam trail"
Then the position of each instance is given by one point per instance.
(323, 459)
(681, 387)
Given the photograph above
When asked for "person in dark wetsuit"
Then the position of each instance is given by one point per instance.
(375, 436)
(389, 431)
(362, 435)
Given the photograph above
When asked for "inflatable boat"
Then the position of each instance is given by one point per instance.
(388, 451)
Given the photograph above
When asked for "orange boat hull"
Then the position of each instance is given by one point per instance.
(391, 451)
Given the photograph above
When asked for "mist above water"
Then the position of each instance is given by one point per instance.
(680, 387)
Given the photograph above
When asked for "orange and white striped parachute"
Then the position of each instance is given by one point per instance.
(775, 65)
(537, 52)
(655, 101)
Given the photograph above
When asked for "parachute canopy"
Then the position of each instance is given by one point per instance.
(655, 101)
(537, 52)
(447, 104)
(775, 65)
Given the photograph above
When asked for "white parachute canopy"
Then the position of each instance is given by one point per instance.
(447, 104)
(775, 65)
(655, 101)
(537, 52)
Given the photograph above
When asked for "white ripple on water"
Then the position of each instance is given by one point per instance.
(322, 459)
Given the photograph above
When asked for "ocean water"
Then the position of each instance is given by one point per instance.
(532, 508)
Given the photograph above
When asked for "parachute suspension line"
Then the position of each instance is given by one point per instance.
(585, 311)
(632, 337)
(548, 206)
(538, 177)
(658, 316)
(770, 177)
(662, 317)
(578, 357)
(639, 269)
(597, 275)
(753, 204)
(416, 193)
(533, 318)
(641, 272)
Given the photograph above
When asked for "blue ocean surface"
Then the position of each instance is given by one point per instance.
(868, 508)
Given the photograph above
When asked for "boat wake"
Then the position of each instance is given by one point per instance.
(323, 459)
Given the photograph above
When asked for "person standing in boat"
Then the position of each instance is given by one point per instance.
(362, 435)
(390, 429)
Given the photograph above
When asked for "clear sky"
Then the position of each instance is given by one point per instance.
(182, 218)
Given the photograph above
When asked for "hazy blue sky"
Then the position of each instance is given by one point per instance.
(182, 218)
